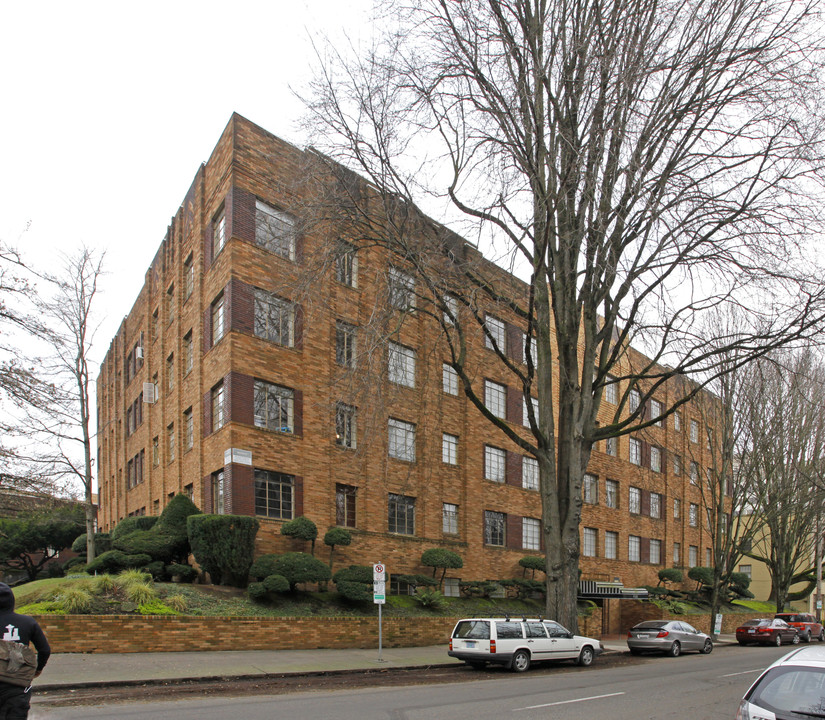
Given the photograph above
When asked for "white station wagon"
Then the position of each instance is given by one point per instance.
(518, 643)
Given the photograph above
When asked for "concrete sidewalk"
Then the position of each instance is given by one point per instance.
(76, 670)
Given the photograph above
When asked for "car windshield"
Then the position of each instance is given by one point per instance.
(474, 629)
(791, 618)
(799, 690)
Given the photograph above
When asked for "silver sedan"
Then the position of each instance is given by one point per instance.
(671, 637)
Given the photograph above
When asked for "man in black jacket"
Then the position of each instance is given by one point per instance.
(14, 700)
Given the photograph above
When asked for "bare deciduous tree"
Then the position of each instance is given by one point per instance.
(639, 163)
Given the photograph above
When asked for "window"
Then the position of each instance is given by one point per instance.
(345, 505)
(611, 493)
(401, 365)
(452, 587)
(189, 428)
(449, 449)
(530, 348)
(449, 380)
(451, 312)
(170, 373)
(495, 398)
(188, 353)
(693, 556)
(655, 505)
(496, 333)
(170, 304)
(401, 290)
(449, 519)
(589, 541)
(590, 489)
(708, 561)
(346, 265)
(401, 440)
(275, 230)
(693, 515)
(274, 407)
(656, 412)
(655, 552)
(635, 451)
(188, 277)
(189, 491)
(677, 421)
(170, 442)
(154, 329)
(634, 399)
(495, 463)
(655, 459)
(611, 446)
(634, 501)
(217, 319)
(694, 473)
(345, 426)
(694, 431)
(156, 451)
(218, 233)
(611, 390)
(611, 542)
(401, 514)
(274, 494)
(530, 534)
(525, 419)
(344, 344)
(218, 415)
(529, 473)
(218, 507)
(634, 548)
(746, 570)
(677, 509)
(677, 464)
(494, 528)
(274, 318)
(677, 553)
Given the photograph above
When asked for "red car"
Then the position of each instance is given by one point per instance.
(805, 624)
(766, 631)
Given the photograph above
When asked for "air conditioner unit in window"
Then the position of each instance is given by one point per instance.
(139, 352)
(150, 394)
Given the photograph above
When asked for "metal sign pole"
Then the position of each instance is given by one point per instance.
(379, 595)
(380, 639)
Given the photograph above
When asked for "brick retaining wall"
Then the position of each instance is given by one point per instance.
(163, 633)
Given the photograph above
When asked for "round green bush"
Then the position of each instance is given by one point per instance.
(667, 575)
(299, 567)
(186, 573)
(276, 583)
(257, 591)
(131, 524)
(263, 566)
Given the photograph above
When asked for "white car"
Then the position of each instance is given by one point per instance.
(793, 687)
(516, 643)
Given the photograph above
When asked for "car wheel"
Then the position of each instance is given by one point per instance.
(586, 656)
(520, 662)
(822, 635)
(777, 640)
(795, 639)
(707, 648)
(806, 637)
(675, 650)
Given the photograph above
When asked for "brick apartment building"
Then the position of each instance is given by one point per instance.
(230, 380)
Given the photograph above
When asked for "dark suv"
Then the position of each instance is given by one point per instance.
(806, 625)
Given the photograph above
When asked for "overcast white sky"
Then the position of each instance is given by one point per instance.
(111, 107)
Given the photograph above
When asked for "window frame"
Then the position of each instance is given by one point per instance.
(270, 234)
(400, 514)
(264, 394)
(271, 498)
(399, 434)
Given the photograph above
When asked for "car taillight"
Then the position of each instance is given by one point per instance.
(663, 633)
(492, 646)
(451, 643)
(629, 634)
(763, 630)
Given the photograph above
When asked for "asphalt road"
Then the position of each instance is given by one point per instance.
(699, 687)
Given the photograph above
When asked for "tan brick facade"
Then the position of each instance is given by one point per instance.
(173, 320)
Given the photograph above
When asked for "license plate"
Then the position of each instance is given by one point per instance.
(751, 631)
(643, 635)
(470, 644)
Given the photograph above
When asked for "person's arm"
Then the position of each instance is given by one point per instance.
(41, 644)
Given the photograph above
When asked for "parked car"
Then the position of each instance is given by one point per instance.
(805, 624)
(516, 643)
(793, 686)
(766, 631)
(671, 637)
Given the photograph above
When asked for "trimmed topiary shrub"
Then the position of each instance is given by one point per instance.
(301, 528)
(131, 524)
(478, 588)
(157, 570)
(185, 573)
(276, 583)
(670, 575)
(257, 592)
(532, 563)
(103, 542)
(336, 536)
(441, 558)
(702, 576)
(161, 547)
(113, 561)
(223, 546)
(300, 568)
(354, 582)
(263, 566)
